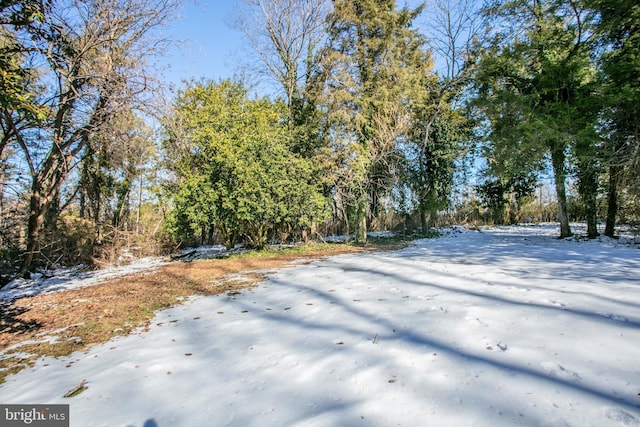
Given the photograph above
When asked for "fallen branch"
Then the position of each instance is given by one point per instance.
(77, 389)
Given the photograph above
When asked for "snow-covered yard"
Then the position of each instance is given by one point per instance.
(508, 326)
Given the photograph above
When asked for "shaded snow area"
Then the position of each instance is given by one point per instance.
(74, 277)
(69, 278)
(351, 237)
(507, 326)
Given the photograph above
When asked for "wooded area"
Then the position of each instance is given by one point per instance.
(378, 124)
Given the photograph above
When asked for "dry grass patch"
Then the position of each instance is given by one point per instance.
(59, 323)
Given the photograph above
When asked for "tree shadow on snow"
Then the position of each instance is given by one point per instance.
(391, 331)
(620, 321)
(149, 423)
(562, 260)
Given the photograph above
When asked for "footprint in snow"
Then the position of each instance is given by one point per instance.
(557, 303)
(615, 317)
(484, 324)
(558, 371)
(627, 419)
(426, 297)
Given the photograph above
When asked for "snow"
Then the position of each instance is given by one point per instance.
(507, 326)
(70, 278)
(350, 237)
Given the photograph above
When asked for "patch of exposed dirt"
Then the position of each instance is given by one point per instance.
(59, 323)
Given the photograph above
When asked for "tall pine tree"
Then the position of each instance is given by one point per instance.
(373, 64)
(535, 89)
(618, 33)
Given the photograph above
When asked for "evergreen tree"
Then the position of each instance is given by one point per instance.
(236, 170)
(373, 63)
(16, 76)
(433, 148)
(535, 87)
(618, 32)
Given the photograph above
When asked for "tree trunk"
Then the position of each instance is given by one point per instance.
(559, 175)
(140, 207)
(45, 187)
(499, 213)
(589, 200)
(361, 232)
(347, 229)
(228, 237)
(345, 218)
(122, 201)
(211, 231)
(588, 188)
(51, 214)
(36, 218)
(612, 201)
(513, 211)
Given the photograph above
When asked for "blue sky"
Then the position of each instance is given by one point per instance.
(210, 47)
(208, 44)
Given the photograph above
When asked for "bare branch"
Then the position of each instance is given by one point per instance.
(96, 54)
(282, 33)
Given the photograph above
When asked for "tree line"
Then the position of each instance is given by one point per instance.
(379, 107)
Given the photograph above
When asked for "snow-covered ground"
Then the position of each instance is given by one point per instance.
(75, 277)
(69, 278)
(508, 326)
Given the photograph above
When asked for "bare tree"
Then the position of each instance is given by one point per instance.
(453, 27)
(92, 61)
(284, 34)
